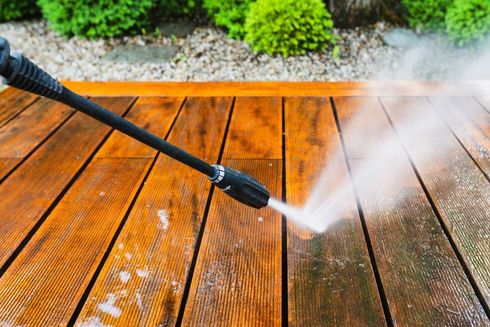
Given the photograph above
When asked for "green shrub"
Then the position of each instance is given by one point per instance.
(97, 18)
(18, 9)
(468, 21)
(176, 8)
(288, 27)
(229, 14)
(427, 14)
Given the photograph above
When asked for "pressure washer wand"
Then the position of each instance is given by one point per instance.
(21, 73)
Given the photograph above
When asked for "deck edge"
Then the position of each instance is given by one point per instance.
(375, 88)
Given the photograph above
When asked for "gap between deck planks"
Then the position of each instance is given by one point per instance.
(470, 123)
(22, 136)
(13, 102)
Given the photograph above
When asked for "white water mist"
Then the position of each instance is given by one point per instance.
(331, 197)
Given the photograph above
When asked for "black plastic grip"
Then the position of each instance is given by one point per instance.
(241, 187)
(27, 76)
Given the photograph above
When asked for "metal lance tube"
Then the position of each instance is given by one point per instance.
(19, 72)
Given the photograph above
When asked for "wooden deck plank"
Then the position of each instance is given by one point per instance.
(255, 132)
(32, 189)
(485, 101)
(279, 89)
(458, 189)
(12, 102)
(162, 251)
(237, 277)
(428, 288)
(470, 122)
(78, 232)
(7, 165)
(22, 135)
(329, 274)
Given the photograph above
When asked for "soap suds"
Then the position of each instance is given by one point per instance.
(143, 273)
(124, 276)
(139, 301)
(162, 214)
(128, 255)
(109, 307)
(120, 246)
(90, 322)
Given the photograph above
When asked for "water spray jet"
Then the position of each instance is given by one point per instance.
(19, 72)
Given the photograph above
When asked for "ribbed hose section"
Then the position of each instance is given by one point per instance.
(29, 77)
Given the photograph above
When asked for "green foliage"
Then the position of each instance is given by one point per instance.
(426, 14)
(288, 27)
(97, 18)
(18, 9)
(173, 8)
(468, 21)
(230, 14)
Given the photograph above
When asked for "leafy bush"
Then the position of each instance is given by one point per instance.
(97, 18)
(18, 9)
(173, 8)
(427, 14)
(230, 14)
(288, 27)
(468, 21)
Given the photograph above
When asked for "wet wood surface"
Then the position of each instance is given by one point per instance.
(98, 229)
(459, 190)
(237, 279)
(12, 102)
(327, 268)
(470, 123)
(392, 199)
(24, 134)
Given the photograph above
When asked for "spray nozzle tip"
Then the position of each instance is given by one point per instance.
(241, 187)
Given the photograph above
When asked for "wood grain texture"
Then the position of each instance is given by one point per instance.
(31, 189)
(329, 274)
(162, 250)
(77, 233)
(44, 284)
(430, 288)
(459, 190)
(154, 114)
(7, 164)
(255, 131)
(470, 122)
(237, 278)
(279, 89)
(22, 135)
(12, 102)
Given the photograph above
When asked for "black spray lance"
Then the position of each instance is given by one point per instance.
(21, 73)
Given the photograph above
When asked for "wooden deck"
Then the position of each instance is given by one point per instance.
(97, 228)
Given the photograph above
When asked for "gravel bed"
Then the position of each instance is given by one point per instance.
(208, 55)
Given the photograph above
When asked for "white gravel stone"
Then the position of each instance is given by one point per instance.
(208, 55)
